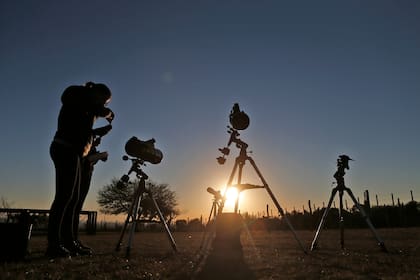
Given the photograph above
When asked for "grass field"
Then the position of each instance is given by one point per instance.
(264, 255)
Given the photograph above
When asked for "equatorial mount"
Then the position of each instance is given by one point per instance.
(136, 164)
(241, 145)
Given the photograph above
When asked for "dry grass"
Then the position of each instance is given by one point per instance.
(280, 258)
(268, 255)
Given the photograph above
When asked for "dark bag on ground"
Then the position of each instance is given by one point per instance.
(14, 239)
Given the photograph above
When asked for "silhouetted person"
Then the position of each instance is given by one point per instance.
(70, 150)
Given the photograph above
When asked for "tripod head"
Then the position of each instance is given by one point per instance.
(136, 164)
(342, 164)
(343, 161)
(217, 195)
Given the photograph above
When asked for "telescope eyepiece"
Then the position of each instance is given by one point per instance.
(221, 160)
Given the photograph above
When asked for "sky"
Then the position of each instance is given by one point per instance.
(317, 78)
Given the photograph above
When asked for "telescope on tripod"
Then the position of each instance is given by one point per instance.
(140, 152)
(239, 120)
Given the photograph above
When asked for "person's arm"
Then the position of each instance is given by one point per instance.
(101, 131)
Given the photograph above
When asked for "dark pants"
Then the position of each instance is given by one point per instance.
(72, 185)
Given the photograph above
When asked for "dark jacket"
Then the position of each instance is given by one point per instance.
(79, 110)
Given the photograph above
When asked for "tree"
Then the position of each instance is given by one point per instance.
(116, 198)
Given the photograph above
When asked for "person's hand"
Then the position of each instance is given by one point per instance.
(110, 116)
(101, 131)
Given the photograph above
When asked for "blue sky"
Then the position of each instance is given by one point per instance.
(317, 78)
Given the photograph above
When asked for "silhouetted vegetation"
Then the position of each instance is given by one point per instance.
(386, 216)
(381, 216)
(116, 198)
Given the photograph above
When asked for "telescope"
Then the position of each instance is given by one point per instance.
(140, 152)
(238, 119)
(143, 150)
(217, 195)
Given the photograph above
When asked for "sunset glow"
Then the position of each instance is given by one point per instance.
(231, 194)
(185, 64)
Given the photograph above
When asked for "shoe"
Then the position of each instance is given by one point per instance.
(57, 251)
(76, 250)
(79, 243)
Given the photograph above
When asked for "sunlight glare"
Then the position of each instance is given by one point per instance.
(231, 194)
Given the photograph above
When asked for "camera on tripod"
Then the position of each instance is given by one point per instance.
(342, 165)
(343, 161)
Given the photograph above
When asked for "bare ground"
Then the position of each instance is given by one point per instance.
(263, 255)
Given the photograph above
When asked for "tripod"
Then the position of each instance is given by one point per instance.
(342, 164)
(218, 202)
(239, 164)
(134, 212)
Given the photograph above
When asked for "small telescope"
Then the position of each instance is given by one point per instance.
(143, 150)
(217, 195)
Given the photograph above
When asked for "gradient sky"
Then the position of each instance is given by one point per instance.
(317, 78)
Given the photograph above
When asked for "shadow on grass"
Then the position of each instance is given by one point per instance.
(226, 261)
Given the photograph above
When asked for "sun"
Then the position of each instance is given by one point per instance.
(231, 195)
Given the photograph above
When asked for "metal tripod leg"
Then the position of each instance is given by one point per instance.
(162, 220)
(321, 224)
(369, 223)
(232, 174)
(341, 218)
(213, 211)
(281, 212)
(131, 214)
(241, 166)
(133, 225)
(134, 215)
